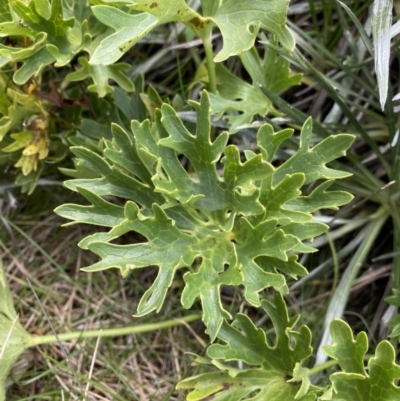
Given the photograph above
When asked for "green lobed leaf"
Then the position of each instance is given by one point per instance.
(230, 228)
(319, 198)
(272, 370)
(239, 23)
(247, 100)
(54, 38)
(101, 75)
(355, 383)
(325, 151)
(130, 28)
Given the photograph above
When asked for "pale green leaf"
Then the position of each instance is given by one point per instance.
(16, 107)
(271, 368)
(349, 352)
(33, 66)
(130, 28)
(43, 8)
(21, 140)
(355, 383)
(312, 162)
(4, 12)
(247, 100)
(302, 375)
(101, 74)
(239, 22)
(56, 39)
(209, 7)
(381, 26)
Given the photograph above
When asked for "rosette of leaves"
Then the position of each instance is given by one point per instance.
(241, 226)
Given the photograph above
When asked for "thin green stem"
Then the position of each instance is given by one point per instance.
(328, 364)
(323, 366)
(120, 331)
(207, 43)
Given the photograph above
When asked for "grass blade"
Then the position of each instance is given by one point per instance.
(361, 30)
(381, 26)
(339, 299)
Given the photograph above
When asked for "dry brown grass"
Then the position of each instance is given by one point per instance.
(135, 367)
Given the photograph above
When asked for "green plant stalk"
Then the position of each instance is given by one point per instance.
(207, 43)
(328, 364)
(120, 331)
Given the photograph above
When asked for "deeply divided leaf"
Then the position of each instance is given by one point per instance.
(226, 221)
(269, 367)
(378, 382)
(246, 100)
(238, 22)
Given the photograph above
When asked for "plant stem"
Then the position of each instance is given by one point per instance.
(328, 364)
(210, 61)
(120, 331)
(322, 366)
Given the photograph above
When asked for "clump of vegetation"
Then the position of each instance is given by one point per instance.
(206, 179)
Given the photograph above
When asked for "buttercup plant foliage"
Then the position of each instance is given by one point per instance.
(40, 35)
(238, 22)
(273, 365)
(230, 219)
(277, 372)
(243, 227)
(246, 225)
